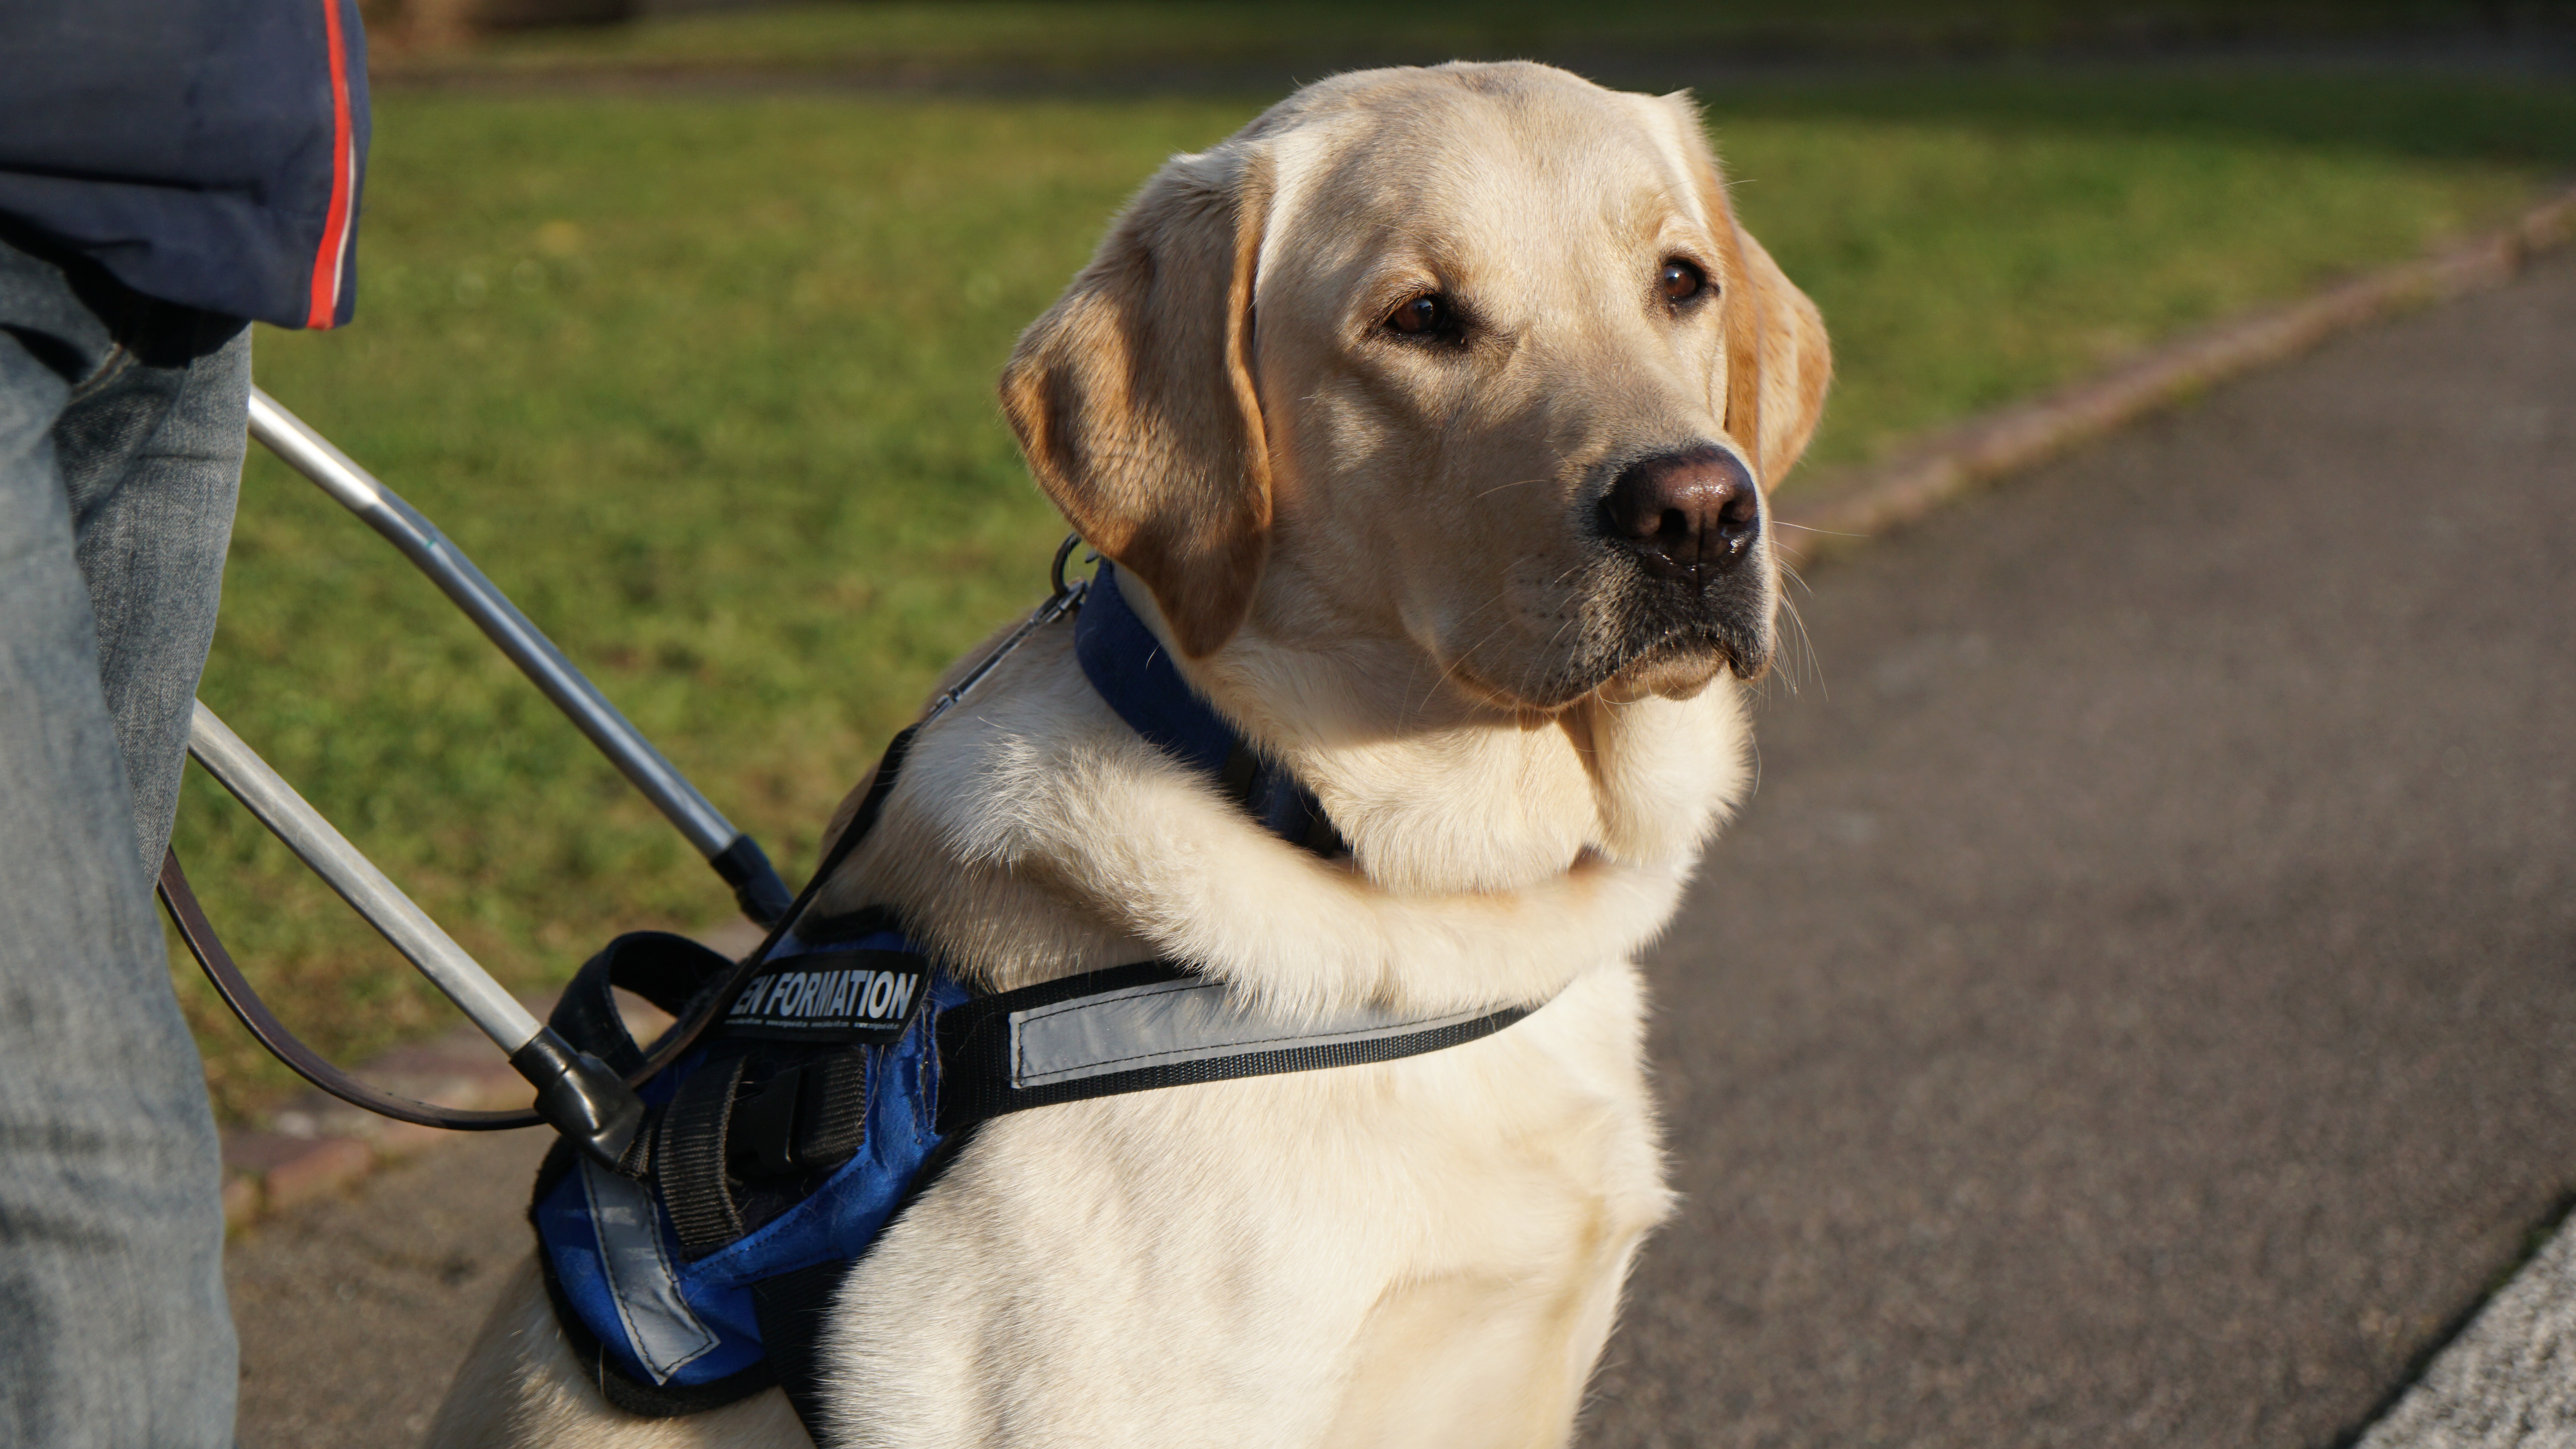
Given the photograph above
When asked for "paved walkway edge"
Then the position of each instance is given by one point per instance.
(1839, 510)
(2504, 1377)
(315, 1145)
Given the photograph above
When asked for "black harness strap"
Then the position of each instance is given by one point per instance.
(689, 1158)
(794, 1309)
(666, 970)
(810, 1118)
(588, 1016)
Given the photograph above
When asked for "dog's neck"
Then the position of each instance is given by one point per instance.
(1437, 785)
(1495, 855)
(1440, 792)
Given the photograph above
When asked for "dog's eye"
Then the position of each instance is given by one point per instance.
(1681, 281)
(1425, 316)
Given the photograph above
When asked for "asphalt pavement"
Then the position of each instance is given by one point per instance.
(2138, 1006)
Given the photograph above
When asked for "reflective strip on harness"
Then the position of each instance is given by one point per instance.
(1153, 1025)
(1172, 1022)
(666, 1334)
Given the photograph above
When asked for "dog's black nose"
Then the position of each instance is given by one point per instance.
(1691, 514)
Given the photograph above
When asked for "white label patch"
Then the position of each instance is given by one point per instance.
(832, 996)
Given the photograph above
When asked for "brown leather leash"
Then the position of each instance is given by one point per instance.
(271, 1033)
(237, 992)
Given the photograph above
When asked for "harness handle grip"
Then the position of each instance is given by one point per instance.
(757, 889)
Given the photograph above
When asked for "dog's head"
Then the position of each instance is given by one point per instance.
(1475, 357)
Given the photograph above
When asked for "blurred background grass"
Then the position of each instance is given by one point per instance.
(1097, 38)
(702, 377)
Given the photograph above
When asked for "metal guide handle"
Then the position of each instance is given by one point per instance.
(577, 1094)
(267, 795)
(734, 855)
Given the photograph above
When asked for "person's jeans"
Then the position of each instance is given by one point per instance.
(121, 437)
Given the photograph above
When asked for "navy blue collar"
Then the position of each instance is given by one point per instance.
(1133, 671)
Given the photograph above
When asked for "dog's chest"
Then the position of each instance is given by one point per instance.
(1175, 1266)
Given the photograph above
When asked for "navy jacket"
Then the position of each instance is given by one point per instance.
(208, 152)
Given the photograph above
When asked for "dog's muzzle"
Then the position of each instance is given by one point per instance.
(1695, 572)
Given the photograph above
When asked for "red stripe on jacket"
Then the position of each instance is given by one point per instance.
(335, 229)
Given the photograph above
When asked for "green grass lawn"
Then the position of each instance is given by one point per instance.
(1059, 36)
(706, 384)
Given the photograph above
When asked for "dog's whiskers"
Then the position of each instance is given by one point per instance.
(1806, 644)
(1449, 668)
(1804, 654)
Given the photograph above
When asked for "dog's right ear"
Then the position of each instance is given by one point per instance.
(1797, 361)
(1133, 396)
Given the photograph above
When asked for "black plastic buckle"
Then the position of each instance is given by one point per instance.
(804, 1120)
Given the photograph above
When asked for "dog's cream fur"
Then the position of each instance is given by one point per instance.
(1374, 556)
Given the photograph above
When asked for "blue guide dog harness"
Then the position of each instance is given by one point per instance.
(853, 1066)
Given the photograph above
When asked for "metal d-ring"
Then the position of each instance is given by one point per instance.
(1063, 551)
(1066, 599)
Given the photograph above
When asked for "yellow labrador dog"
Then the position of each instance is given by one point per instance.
(1427, 421)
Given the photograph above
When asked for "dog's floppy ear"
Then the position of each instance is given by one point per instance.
(1778, 362)
(1133, 396)
(1796, 362)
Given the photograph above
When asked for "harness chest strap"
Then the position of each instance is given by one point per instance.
(847, 1069)
(683, 1298)
(1138, 1028)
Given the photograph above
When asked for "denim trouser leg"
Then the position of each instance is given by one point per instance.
(121, 437)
